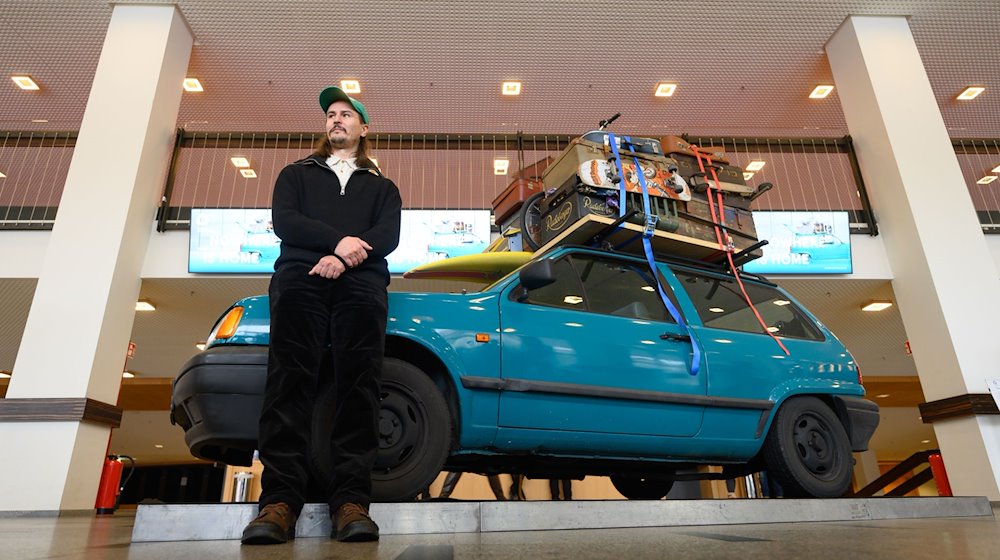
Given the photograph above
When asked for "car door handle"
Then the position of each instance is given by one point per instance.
(676, 337)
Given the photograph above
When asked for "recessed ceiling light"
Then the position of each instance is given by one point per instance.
(25, 82)
(781, 302)
(773, 329)
(200, 345)
(996, 169)
(572, 300)
(925, 441)
(649, 288)
(240, 161)
(2, 176)
(511, 88)
(877, 306)
(350, 86)
(500, 166)
(128, 375)
(664, 89)
(987, 179)
(144, 305)
(747, 175)
(4, 375)
(39, 120)
(716, 310)
(882, 396)
(248, 173)
(970, 92)
(192, 85)
(158, 445)
(756, 165)
(819, 92)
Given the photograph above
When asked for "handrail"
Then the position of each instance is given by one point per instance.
(897, 472)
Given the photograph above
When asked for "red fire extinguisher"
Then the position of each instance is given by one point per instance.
(109, 491)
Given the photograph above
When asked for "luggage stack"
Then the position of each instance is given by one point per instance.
(580, 204)
(526, 182)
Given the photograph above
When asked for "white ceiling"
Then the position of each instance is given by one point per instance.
(743, 68)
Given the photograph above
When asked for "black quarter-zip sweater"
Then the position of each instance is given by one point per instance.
(311, 216)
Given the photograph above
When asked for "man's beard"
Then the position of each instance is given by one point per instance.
(338, 142)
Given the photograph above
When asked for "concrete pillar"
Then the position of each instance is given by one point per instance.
(866, 469)
(945, 279)
(73, 349)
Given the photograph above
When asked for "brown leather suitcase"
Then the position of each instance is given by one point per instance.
(527, 181)
(678, 145)
(507, 203)
(535, 170)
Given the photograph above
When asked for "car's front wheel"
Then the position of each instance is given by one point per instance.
(807, 450)
(414, 433)
(641, 488)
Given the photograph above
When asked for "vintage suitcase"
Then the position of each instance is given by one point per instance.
(730, 177)
(678, 145)
(574, 201)
(506, 205)
(527, 181)
(696, 221)
(535, 170)
(575, 164)
(660, 174)
(637, 144)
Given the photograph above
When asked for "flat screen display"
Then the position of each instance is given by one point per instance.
(225, 240)
(803, 243)
(228, 240)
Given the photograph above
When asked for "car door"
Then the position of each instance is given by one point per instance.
(586, 354)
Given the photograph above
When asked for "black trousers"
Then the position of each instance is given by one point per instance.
(325, 335)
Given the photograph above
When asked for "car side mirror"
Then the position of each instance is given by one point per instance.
(537, 274)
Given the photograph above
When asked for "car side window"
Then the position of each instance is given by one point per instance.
(620, 288)
(721, 305)
(565, 292)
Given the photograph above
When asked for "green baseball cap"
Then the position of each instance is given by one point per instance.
(333, 93)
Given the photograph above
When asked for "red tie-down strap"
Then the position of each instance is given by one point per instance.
(713, 191)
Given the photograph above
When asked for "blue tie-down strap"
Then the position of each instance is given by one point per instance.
(622, 197)
(651, 222)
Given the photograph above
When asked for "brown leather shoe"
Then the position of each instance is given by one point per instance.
(352, 524)
(274, 524)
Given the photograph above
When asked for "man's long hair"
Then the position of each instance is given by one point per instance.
(324, 148)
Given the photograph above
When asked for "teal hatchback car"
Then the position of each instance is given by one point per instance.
(572, 366)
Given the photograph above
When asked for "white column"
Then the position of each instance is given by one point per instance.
(866, 469)
(81, 317)
(945, 279)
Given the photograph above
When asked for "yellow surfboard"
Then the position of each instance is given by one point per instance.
(480, 267)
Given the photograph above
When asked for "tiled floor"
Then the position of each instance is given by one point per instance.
(36, 538)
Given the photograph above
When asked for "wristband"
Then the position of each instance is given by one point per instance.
(339, 258)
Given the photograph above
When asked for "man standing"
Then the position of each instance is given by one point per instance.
(337, 218)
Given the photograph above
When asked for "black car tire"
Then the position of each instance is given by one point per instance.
(531, 222)
(807, 450)
(414, 434)
(639, 488)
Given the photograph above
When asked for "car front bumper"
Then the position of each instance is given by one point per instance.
(217, 399)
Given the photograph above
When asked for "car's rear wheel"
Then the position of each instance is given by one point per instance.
(807, 450)
(641, 488)
(414, 433)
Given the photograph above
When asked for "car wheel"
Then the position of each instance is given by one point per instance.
(639, 488)
(414, 433)
(531, 222)
(807, 450)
